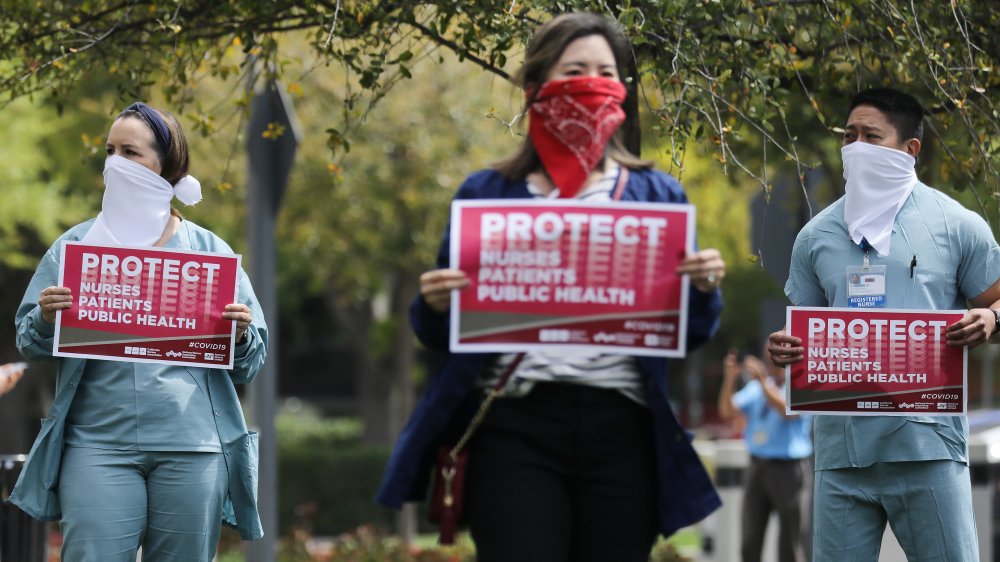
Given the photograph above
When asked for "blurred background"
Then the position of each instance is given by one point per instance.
(395, 105)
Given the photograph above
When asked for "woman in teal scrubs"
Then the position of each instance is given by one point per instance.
(142, 454)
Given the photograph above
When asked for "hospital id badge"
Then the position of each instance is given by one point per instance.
(866, 287)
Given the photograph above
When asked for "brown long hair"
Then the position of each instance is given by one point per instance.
(544, 50)
(174, 161)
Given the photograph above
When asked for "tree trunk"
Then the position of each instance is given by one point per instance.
(383, 385)
(401, 396)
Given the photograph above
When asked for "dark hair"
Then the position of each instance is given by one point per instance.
(901, 109)
(546, 46)
(174, 159)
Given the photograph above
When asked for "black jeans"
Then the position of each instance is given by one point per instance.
(565, 474)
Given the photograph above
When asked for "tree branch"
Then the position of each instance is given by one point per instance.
(458, 50)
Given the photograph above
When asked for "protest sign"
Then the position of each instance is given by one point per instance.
(147, 305)
(876, 362)
(546, 274)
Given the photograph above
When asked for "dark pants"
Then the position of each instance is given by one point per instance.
(773, 486)
(564, 474)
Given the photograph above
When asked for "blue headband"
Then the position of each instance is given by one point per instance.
(155, 122)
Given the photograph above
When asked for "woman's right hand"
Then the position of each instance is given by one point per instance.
(52, 300)
(436, 287)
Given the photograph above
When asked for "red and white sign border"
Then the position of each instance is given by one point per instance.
(788, 369)
(138, 359)
(515, 347)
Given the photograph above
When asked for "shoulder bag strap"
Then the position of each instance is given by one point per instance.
(620, 186)
(485, 406)
(495, 391)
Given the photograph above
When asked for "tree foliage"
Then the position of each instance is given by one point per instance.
(360, 229)
(763, 83)
(353, 234)
(765, 80)
(47, 183)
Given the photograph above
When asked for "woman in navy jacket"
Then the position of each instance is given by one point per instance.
(583, 459)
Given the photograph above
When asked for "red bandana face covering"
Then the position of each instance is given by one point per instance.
(571, 121)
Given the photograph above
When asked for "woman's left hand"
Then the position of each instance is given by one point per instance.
(241, 314)
(706, 269)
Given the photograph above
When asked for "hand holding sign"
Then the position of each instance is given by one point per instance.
(436, 287)
(973, 329)
(706, 269)
(785, 349)
(54, 299)
(240, 313)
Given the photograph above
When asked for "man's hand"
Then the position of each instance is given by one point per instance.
(784, 349)
(973, 329)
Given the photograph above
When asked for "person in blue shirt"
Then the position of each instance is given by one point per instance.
(779, 445)
(909, 471)
(141, 454)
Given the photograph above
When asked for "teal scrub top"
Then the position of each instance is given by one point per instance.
(957, 259)
(36, 491)
(143, 406)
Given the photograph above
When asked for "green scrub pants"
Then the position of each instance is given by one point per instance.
(170, 503)
(928, 505)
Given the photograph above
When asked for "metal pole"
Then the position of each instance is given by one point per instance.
(260, 229)
(270, 161)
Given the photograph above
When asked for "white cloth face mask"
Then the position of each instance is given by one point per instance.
(879, 180)
(136, 205)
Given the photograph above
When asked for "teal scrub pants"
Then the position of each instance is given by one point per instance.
(170, 503)
(928, 505)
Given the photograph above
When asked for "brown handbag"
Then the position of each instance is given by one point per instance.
(448, 498)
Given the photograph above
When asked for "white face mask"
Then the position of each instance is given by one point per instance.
(879, 179)
(136, 205)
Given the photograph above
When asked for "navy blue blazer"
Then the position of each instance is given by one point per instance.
(685, 491)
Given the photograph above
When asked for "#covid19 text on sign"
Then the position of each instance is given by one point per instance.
(868, 362)
(547, 274)
(147, 305)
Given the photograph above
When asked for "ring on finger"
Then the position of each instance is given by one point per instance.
(711, 277)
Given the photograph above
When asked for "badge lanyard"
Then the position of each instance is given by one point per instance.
(866, 284)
